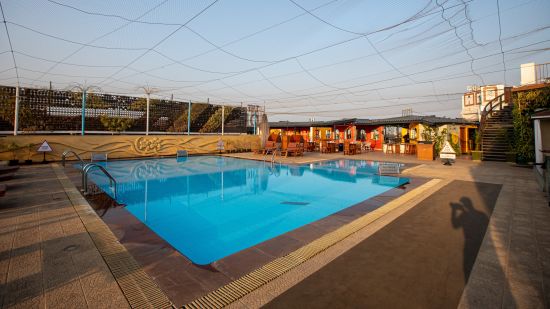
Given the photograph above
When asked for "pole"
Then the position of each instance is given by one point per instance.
(16, 112)
(254, 122)
(83, 111)
(223, 118)
(189, 118)
(147, 123)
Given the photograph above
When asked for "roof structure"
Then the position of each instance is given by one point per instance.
(429, 120)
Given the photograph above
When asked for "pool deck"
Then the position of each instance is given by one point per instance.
(50, 257)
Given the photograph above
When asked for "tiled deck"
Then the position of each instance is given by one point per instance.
(47, 257)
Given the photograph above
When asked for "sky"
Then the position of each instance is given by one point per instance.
(300, 59)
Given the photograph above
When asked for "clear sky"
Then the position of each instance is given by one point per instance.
(302, 59)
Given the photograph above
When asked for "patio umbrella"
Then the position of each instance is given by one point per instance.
(264, 130)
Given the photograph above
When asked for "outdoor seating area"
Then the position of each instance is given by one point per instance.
(295, 145)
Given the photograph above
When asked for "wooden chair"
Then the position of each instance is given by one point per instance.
(347, 150)
(358, 148)
(294, 149)
(323, 146)
(269, 147)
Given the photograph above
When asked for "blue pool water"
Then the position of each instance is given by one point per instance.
(209, 207)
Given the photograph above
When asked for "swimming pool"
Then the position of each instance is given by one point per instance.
(209, 207)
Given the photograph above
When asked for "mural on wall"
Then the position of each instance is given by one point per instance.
(120, 146)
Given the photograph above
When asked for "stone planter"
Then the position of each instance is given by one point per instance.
(476, 155)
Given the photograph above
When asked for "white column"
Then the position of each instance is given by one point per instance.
(538, 145)
(223, 118)
(147, 123)
(16, 112)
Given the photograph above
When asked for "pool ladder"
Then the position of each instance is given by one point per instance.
(273, 155)
(67, 152)
(87, 168)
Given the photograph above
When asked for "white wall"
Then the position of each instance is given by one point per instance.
(528, 73)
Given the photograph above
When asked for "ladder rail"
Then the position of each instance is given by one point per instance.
(67, 152)
(85, 171)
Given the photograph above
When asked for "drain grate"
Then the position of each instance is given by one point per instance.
(294, 203)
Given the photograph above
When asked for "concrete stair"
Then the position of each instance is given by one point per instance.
(496, 135)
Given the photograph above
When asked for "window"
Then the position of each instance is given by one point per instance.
(490, 93)
(362, 135)
(469, 99)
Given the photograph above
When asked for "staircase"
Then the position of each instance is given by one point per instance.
(496, 128)
(496, 134)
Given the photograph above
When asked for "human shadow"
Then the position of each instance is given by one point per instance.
(473, 223)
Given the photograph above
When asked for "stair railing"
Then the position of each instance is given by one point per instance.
(498, 103)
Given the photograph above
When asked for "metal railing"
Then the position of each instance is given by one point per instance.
(67, 152)
(542, 73)
(87, 168)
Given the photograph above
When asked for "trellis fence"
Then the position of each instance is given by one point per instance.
(52, 111)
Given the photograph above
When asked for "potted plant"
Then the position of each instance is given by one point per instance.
(29, 154)
(425, 147)
(477, 153)
(13, 148)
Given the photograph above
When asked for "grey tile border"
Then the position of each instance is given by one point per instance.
(138, 288)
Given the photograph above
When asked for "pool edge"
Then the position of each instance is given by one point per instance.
(236, 290)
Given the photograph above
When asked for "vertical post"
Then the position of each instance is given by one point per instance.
(223, 118)
(147, 123)
(16, 112)
(189, 118)
(255, 123)
(83, 111)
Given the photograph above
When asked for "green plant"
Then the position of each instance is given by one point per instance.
(525, 105)
(434, 136)
(116, 124)
(477, 140)
(30, 148)
(215, 121)
(428, 134)
(13, 147)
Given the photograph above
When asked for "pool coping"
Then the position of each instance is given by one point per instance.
(138, 288)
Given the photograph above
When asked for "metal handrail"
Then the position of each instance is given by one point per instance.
(85, 171)
(64, 155)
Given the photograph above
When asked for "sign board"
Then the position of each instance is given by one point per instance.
(221, 145)
(45, 147)
(447, 152)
